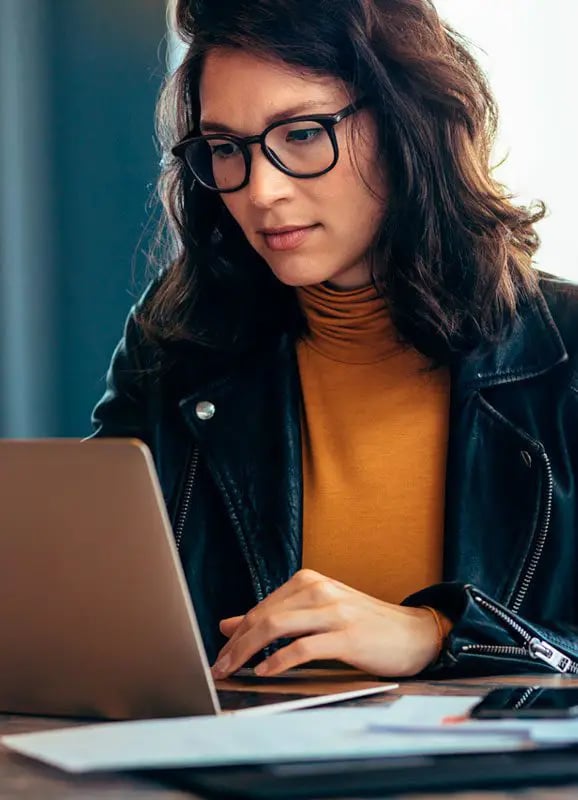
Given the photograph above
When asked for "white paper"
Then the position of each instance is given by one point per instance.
(425, 716)
(425, 710)
(437, 715)
(209, 741)
(555, 732)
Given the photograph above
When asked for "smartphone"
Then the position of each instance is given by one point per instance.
(539, 702)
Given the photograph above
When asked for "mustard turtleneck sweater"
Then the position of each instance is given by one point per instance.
(374, 431)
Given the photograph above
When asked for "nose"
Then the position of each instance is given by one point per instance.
(267, 184)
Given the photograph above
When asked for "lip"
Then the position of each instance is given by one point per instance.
(283, 229)
(286, 238)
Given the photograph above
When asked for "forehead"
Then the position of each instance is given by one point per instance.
(242, 90)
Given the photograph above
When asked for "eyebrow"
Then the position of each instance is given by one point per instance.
(287, 113)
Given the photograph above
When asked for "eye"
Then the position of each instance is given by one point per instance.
(225, 150)
(304, 135)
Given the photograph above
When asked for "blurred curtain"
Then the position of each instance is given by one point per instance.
(27, 357)
(78, 84)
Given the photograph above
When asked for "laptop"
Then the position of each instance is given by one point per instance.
(96, 619)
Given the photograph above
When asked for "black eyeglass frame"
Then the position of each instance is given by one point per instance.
(328, 121)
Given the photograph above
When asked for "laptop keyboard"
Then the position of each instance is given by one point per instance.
(232, 700)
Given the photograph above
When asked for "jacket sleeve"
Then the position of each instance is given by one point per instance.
(488, 638)
(122, 410)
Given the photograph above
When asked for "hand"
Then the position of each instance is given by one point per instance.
(330, 620)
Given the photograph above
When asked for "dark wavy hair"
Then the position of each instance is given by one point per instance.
(453, 255)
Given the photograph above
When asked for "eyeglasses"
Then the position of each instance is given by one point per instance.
(302, 147)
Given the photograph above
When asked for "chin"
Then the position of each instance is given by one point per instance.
(295, 278)
(291, 273)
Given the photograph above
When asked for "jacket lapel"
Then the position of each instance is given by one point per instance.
(252, 446)
(495, 477)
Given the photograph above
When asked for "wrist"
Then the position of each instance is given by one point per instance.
(424, 645)
(442, 628)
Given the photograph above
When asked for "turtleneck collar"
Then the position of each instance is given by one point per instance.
(351, 326)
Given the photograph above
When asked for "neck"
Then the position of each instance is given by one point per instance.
(356, 277)
(350, 326)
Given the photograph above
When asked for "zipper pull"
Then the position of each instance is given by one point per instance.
(545, 652)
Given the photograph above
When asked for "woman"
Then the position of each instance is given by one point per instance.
(361, 398)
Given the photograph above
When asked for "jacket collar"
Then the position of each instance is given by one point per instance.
(533, 347)
(255, 382)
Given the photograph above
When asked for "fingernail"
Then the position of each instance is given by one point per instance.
(261, 669)
(221, 667)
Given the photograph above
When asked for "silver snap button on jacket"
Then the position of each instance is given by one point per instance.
(205, 410)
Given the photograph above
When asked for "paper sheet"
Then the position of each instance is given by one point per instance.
(425, 715)
(209, 741)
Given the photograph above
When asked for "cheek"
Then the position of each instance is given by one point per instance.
(353, 208)
(363, 171)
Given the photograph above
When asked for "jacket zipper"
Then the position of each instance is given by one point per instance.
(535, 648)
(184, 510)
(187, 495)
(540, 542)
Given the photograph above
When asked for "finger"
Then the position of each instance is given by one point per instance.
(307, 593)
(306, 589)
(291, 593)
(229, 625)
(281, 625)
(308, 648)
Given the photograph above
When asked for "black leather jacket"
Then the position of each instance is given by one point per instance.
(233, 483)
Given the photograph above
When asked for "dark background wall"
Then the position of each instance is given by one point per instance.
(95, 68)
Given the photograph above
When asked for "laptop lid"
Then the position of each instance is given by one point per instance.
(95, 615)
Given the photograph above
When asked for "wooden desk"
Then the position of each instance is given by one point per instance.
(25, 779)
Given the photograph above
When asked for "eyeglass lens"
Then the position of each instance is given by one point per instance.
(304, 148)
